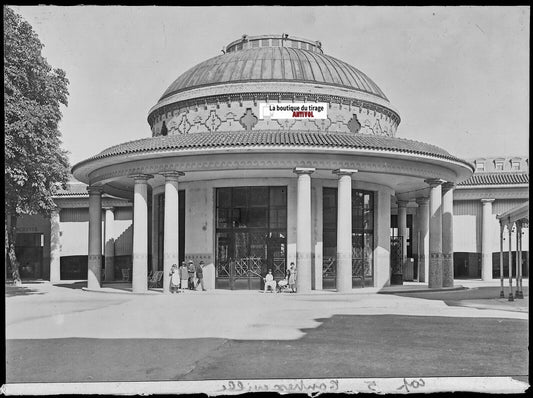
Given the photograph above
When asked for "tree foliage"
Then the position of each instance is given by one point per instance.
(35, 163)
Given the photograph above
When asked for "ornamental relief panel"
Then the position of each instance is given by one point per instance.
(248, 120)
(323, 124)
(183, 126)
(285, 124)
(213, 121)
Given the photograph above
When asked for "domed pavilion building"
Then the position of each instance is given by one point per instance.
(245, 191)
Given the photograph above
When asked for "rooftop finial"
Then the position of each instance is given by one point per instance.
(246, 42)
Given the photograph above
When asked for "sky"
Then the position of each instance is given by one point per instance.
(458, 76)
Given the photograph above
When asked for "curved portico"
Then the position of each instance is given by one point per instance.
(151, 169)
(258, 191)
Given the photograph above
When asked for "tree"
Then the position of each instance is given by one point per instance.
(35, 163)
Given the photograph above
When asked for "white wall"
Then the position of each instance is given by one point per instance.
(467, 225)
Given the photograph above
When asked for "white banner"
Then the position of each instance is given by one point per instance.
(293, 110)
(310, 387)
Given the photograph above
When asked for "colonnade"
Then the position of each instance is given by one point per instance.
(516, 227)
(140, 233)
(171, 226)
(434, 222)
(344, 229)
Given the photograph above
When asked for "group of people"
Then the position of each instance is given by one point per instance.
(290, 280)
(187, 277)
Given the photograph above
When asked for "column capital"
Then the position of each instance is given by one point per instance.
(171, 174)
(95, 190)
(112, 208)
(434, 182)
(487, 201)
(141, 177)
(448, 186)
(422, 201)
(344, 172)
(304, 170)
(402, 203)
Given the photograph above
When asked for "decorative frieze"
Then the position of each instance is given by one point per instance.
(181, 116)
(197, 257)
(231, 163)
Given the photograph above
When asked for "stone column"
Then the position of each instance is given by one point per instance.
(509, 228)
(402, 231)
(414, 242)
(140, 234)
(486, 240)
(171, 226)
(95, 238)
(303, 229)
(109, 244)
(318, 237)
(344, 230)
(447, 234)
(502, 294)
(155, 229)
(55, 245)
(423, 243)
(435, 233)
(519, 294)
(382, 266)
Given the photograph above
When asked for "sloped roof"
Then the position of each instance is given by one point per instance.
(274, 138)
(74, 188)
(501, 178)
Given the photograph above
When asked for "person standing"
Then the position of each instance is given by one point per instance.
(190, 270)
(292, 277)
(174, 279)
(200, 275)
(184, 276)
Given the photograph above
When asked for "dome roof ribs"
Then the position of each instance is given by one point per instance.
(285, 63)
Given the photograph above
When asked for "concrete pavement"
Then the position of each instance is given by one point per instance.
(61, 312)
(64, 334)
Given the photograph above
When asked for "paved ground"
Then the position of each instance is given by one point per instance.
(62, 334)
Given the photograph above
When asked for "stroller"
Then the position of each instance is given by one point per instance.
(283, 286)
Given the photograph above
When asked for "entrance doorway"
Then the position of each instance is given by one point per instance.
(29, 252)
(251, 231)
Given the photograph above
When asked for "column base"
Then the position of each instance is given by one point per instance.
(396, 279)
(502, 294)
(519, 295)
(511, 297)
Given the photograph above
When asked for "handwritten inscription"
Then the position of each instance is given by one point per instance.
(414, 384)
(299, 386)
(312, 387)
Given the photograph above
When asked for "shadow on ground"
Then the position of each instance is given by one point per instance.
(12, 290)
(73, 285)
(485, 292)
(342, 346)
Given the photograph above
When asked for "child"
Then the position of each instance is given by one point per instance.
(191, 270)
(174, 279)
(184, 276)
(292, 277)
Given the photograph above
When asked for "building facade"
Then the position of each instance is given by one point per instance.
(498, 185)
(219, 182)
